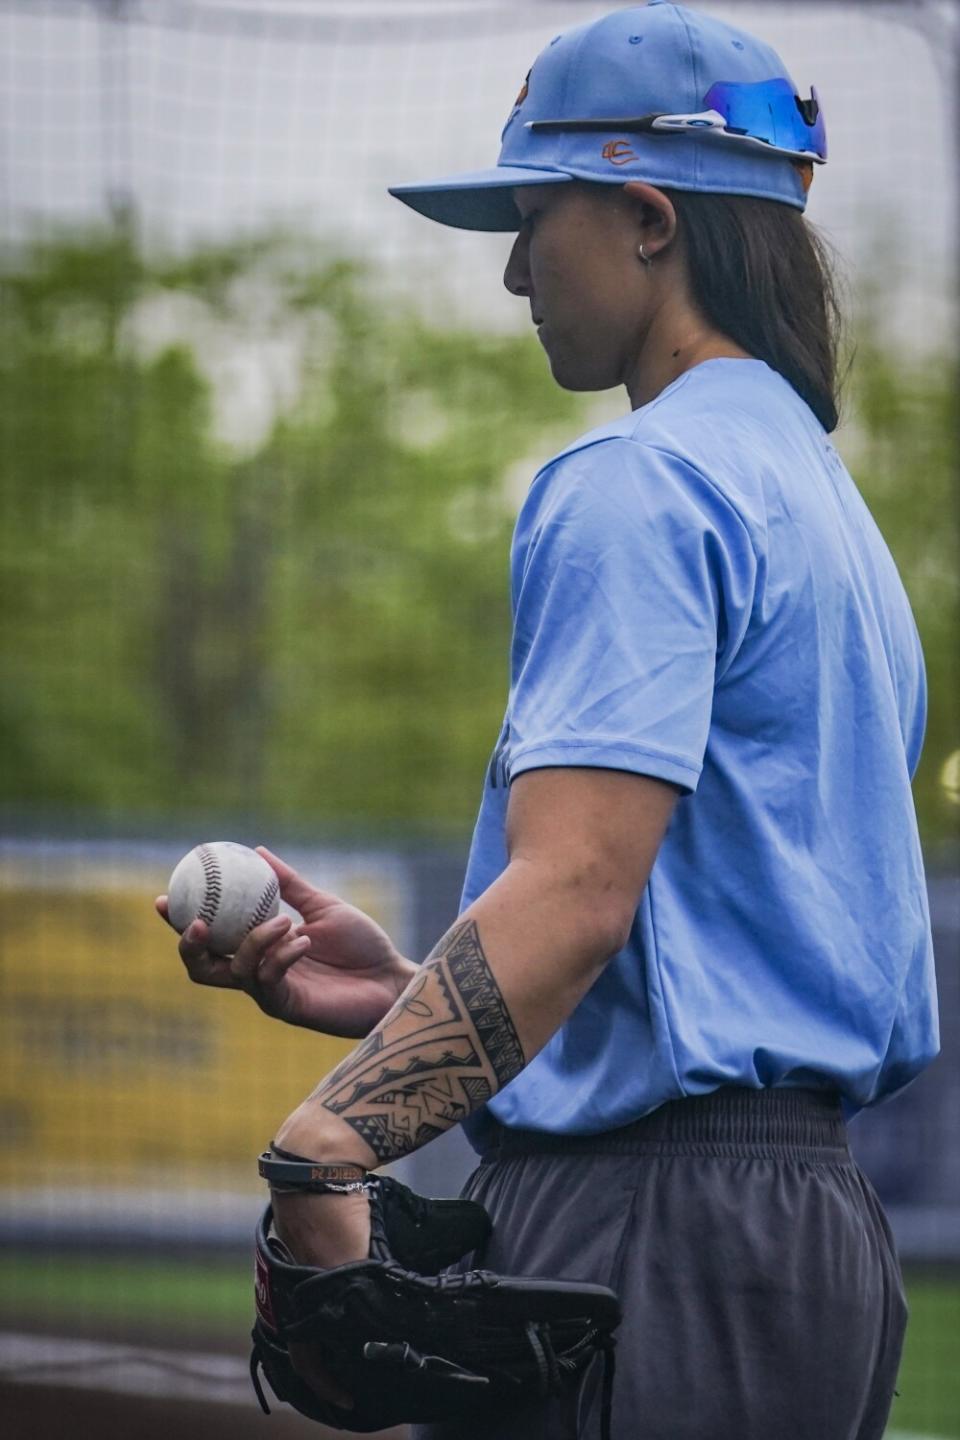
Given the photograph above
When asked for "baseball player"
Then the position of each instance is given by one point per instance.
(694, 937)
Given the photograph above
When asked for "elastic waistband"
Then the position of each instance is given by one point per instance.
(807, 1122)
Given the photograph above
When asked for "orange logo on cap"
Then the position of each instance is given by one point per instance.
(524, 92)
(618, 152)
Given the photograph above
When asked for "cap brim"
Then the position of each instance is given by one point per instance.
(478, 200)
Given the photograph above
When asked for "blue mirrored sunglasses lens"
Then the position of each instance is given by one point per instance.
(768, 110)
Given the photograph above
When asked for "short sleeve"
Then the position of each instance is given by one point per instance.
(633, 585)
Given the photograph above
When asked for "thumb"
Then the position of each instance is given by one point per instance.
(294, 889)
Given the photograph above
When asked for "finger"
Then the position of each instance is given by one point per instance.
(195, 940)
(209, 969)
(162, 909)
(244, 964)
(296, 891)
(275, 963)
(203, 967)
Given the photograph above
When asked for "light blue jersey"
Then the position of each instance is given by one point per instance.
(700, 594)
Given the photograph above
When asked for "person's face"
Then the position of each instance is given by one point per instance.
(575, 259)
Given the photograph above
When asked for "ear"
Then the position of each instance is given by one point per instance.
(656, 217)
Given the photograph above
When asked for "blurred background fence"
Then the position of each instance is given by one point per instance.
(263, 432)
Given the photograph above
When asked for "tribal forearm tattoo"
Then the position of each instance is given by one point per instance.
(446, 1046)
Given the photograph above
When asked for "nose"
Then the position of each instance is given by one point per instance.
(516, 277)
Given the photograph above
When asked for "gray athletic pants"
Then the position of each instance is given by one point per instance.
(761, 1291)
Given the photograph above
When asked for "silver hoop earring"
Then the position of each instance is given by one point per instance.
(647, 259)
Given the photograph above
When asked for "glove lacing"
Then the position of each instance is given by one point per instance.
(549, 1365)
(255, 1377)
(609, 1370)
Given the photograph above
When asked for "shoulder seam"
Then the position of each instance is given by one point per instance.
(668, 454)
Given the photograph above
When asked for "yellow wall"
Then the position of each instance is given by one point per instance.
(115, 1070)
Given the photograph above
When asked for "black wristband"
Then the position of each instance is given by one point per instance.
(285, 1172)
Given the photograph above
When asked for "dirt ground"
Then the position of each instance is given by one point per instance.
(32, 1413)
(60, 1412)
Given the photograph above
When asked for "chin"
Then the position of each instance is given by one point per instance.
(578, 372)
(579, 378)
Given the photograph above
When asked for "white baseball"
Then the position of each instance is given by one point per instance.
(230, 887)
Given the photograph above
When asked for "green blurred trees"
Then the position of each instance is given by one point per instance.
(313, 629)
(905, 458)
(313, 626)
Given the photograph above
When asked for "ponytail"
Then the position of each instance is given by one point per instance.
(762, 275)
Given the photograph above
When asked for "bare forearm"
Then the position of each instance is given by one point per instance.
(488, 998)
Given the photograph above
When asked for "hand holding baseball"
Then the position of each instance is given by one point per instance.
(336, 971)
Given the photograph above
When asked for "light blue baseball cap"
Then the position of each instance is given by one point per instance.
(658, 93)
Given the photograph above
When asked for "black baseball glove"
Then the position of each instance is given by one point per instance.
(412, 1341)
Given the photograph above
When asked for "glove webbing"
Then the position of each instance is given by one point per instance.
(547, 1361)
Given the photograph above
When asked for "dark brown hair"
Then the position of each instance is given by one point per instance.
(762, 275)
